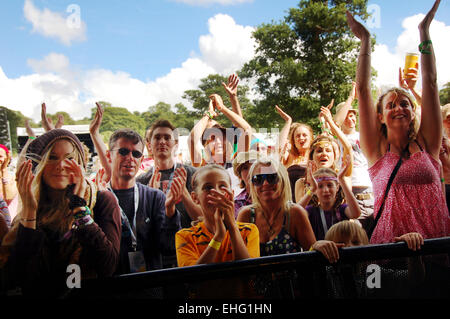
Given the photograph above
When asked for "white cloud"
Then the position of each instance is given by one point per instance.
(387, 63)
(55, 25)
(224, 49)
(210, 2)
(228, 45)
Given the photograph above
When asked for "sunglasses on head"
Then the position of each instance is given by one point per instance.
(125, 151)
(259, 179)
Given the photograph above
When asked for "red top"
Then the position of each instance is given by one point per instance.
(415, 202)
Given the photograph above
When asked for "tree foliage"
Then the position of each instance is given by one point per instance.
(305, 61)
(444, 94)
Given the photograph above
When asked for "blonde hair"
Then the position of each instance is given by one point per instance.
(320, 140)
(292, 130)
(346, 229)
(286, 194)
(52, 213)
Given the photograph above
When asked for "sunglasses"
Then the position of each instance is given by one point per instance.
(125, 151)
(259, 179)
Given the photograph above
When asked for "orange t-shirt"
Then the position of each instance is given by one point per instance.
(192, 242)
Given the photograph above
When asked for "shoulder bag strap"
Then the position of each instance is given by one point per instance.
(388, 187)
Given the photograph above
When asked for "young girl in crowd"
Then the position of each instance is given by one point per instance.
(294, 140)
(218, 237)
(62, 220)
(331, 190)
(283, 226)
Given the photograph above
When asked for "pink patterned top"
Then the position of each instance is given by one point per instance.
(415, 202)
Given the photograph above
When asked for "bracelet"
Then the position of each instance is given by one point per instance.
(309, 192)
(31, 137)
(215, 244)
(76, 201)
(366, 54)
(83, 213)
(208, 114)
(442, 180)
(425, 47)
(28, 220)
(311, 248)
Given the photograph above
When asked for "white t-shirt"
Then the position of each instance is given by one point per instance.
(360, 172)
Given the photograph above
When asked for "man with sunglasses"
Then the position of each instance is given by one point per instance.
(149, 220)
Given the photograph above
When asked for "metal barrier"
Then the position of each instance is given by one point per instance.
(374, 271)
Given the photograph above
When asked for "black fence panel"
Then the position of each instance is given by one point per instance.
(368, 272)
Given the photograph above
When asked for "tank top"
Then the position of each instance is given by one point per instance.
(283, 243)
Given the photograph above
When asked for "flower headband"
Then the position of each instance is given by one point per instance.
(326, 178)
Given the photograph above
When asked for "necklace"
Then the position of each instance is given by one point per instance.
(271, 231)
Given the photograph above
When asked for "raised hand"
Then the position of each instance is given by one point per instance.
(46, 121)
(156, 177)
(425, 24)
(101, 180)
(310, 168)
(346, 162)
(94, 127)
(176, 190)
(357, 28)
(232, 84)
(25, 177)
(217, 101)
(284, 115)
(224, 202)
(325, 113)
(408, 82)
(76, 176)
(60, 121)
(29, 130)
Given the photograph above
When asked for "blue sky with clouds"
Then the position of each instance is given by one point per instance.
(136, 53)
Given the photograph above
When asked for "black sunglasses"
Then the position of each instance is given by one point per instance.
(259, 179)
(125, 151)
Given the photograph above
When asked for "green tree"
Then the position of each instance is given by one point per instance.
(444, 94)
(212, 84)
(304, 61)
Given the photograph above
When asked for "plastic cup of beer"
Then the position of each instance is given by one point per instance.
(411, 61)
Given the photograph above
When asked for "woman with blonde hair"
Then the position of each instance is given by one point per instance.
(283, 226)
(62, 219)
(413, 201)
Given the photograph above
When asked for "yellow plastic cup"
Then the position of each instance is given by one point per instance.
(411, 61)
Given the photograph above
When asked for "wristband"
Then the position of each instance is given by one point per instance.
(215, 244)
(311, 248)
(425, 47)
(442, 180)
(208, 114)
(31, 137)
(83, 213)
(309, 192)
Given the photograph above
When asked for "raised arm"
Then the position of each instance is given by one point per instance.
(341, 114)
(370, 135)
(240, 122)
(347, 147)
(195, 136)
(431, 119)
(231, 88)
(284, 134)
(94, 130)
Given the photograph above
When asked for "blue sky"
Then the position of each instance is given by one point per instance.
(152, 50)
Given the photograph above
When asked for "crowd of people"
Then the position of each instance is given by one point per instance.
(389, 182)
